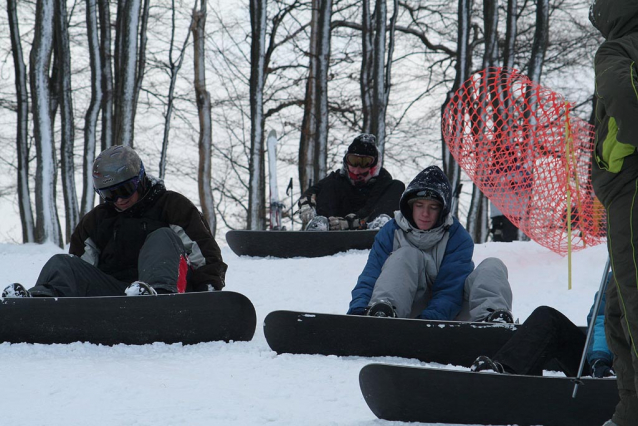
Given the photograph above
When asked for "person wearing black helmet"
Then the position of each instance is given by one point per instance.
(143, 240)
(355, 195)
(420, 265)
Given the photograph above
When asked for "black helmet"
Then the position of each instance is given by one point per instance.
(118, 172)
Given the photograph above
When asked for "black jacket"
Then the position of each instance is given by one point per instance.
(336, 196)
(112, 240)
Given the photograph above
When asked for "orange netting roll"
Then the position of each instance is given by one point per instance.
(522, 147)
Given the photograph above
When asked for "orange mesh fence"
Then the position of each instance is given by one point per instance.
(522, 147)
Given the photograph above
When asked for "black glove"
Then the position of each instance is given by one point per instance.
(359, 311)
(601, 368)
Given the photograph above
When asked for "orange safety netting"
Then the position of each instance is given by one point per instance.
(522, 147)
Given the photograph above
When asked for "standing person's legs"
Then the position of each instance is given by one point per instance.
(545, 335)
(65, 275)
(402, 281)
(621, 309)
(162, 262)
(486, 290)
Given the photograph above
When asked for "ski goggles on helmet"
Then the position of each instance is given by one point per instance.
(356, 160)
(122, 190)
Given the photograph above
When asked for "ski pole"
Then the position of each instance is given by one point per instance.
(590, 329)
(289, 191)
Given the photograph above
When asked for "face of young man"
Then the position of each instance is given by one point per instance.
(426, 213)
(126, 203)
(359, 176)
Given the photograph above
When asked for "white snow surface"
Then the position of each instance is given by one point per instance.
(245, 383)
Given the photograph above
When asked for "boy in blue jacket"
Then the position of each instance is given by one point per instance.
(420, 265)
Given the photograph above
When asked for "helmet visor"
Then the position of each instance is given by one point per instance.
(122, 190)
(355, 160)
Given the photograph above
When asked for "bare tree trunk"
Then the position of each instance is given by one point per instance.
(92, 113)
(323, 61)
(510, 34)
(309, 121)
(106, 79)
(376, 67)
(367, 60)
(22, 146)
(174, 67)
(463, 64)
(47, 222)
(141, 62)
(63, 52)
(206, 199)
(541, 37)
(126, 68)
(256, 189)
(477, 218)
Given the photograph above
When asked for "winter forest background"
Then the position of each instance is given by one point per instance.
(195, 86)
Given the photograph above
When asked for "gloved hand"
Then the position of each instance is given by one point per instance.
(307, 210)
(338, 223)
(351, 221)
(601, 368)
(359, 311)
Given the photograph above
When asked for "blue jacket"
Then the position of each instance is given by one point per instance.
(447, 289)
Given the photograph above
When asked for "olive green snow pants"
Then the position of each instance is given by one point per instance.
(619, 194)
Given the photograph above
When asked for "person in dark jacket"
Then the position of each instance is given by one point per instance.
(615, 182)
(547, 335)
(354, 196)
(420, 265)
(142, 240)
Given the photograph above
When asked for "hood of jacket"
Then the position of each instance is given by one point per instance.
(614, 18)
(430, 179)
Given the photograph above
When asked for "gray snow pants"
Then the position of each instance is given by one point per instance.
(66, 275)
(403, 282)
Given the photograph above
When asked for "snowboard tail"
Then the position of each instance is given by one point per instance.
(173, 318)
(288, 244)
(446, 342)
(430, 395)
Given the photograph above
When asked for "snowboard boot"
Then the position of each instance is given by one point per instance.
(610, 423)
(318, 223)
(382, 308)
(484, 363)
(15, 290)
(502, 316)
(379, 222)
(140, 288)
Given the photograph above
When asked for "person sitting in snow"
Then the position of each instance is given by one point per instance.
(548, 334)
(354, 196)
(420, 265)
(143, 240)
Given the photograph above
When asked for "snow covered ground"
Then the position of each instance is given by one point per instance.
(244, 383)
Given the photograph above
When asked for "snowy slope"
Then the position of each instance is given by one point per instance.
(243, 383)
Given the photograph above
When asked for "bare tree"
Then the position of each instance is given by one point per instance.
(314, 129)
(22, 147)
(206, 199)
(93, 111)
(128, 18)
(106, 75)
(47, 222)
(541, 37)
(477, 218)
(256, 191)
(463, 65)
(63, 53)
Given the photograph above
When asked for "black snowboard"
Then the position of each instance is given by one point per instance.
(180, 318)
(430, 395)
(446, 342)
(297, 243)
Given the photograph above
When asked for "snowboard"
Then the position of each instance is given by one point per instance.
(188, 318)
(430, 395)
(298, 243)
(445, 342)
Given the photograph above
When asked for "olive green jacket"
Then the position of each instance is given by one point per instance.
(616, 82)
